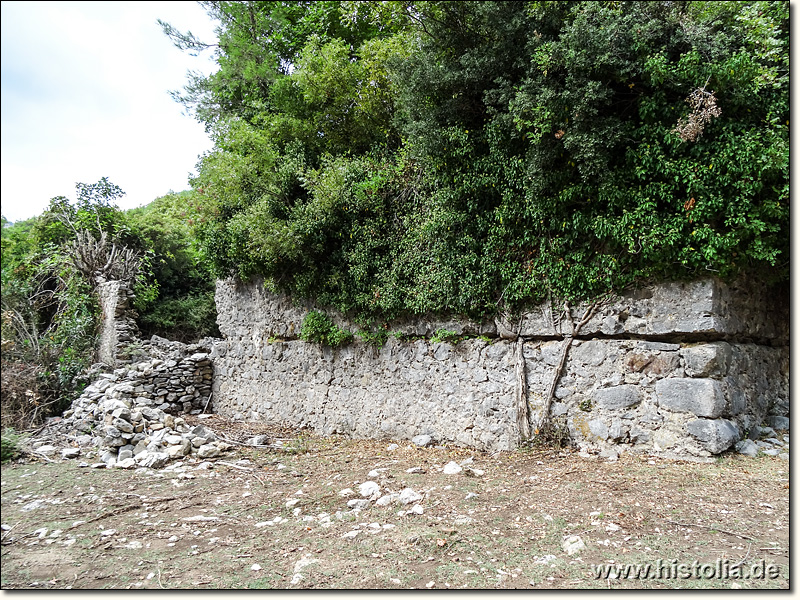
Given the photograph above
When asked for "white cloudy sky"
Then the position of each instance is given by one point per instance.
(85, 95)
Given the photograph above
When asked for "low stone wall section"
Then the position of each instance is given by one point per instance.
(696, 399)
(675, 369)
(703, 310)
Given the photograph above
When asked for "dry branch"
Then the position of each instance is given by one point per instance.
(570, 336)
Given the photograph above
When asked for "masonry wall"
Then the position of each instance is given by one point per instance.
(679, 369)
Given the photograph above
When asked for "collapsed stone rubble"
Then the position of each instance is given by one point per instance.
(130, 417)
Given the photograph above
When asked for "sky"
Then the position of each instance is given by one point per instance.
(85, 95)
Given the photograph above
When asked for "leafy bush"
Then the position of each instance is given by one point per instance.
(471, 157)
(319, 328)
(9, 445)
(445, 335)
(374, 338)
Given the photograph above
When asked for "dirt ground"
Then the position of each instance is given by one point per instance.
(275, 518)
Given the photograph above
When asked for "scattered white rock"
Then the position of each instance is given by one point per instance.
(358, 504)
(452, 468)
(387, 499)
(610, 454)
(421, 440)
(351, 534)
(369, 489)
(199, 518)
(408, 496)
(259, 440)
(32, 505)
(71, 453)
(573, 544)
(208, 451)
(255, 567)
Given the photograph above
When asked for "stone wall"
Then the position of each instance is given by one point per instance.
(680, 369)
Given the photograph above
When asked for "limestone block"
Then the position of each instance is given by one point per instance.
(737, 401)
(616, 432)
(703, 307)
(591, 353)
(598, 428)
(618, 397)
(715, 435)
(707, 360)
(703, 397)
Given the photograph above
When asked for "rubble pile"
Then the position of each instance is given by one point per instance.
(131, 416)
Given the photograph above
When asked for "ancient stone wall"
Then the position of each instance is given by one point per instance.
(677, 369)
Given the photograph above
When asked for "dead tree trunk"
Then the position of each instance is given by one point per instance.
(521, 400)
(568, 339)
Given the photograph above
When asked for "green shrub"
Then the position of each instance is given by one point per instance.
(318, 328)
(374, 338)
(9, 445)
(445, 335)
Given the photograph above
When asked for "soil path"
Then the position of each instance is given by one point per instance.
(279, 518)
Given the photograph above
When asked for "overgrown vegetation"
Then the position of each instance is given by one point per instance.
(469, 157)
(49, 312)
(318, 327)
(51, 265)
(180, 305)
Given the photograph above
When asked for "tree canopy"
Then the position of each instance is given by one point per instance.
(410, 157)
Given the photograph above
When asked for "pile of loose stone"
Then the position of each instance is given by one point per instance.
(769, 441)
(131, 415)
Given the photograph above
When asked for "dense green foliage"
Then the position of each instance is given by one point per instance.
(176, 298)
(395, 157)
